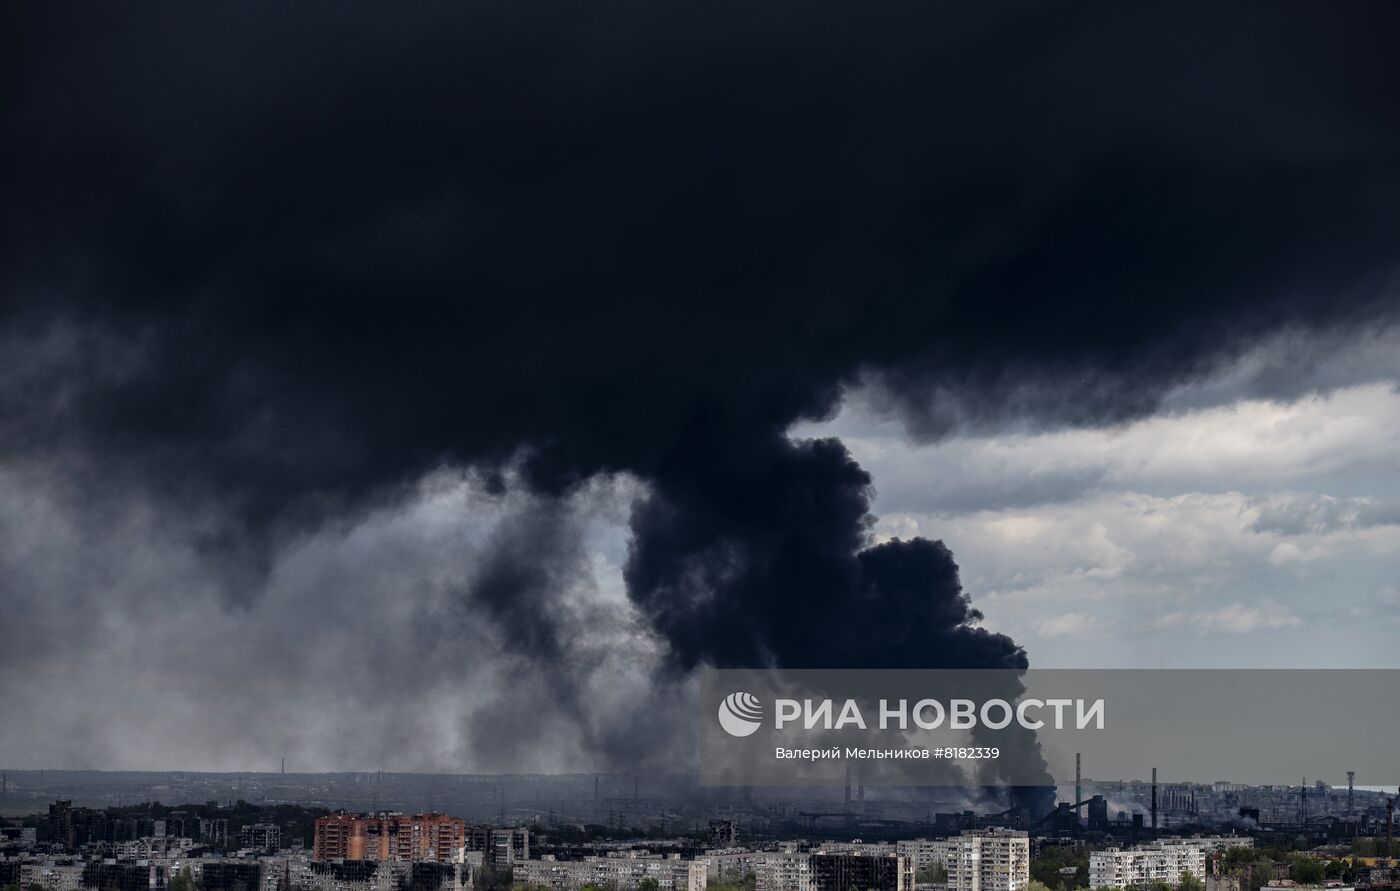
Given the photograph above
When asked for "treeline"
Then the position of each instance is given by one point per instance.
(1256, 867)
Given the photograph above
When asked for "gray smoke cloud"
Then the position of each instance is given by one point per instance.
(380, 641)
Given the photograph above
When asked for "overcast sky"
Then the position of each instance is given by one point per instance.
(440, 388)
(1226, 530)
(1232, 529)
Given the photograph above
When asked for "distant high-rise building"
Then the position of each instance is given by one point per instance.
(499, 846)
(147, 828)
(70, 827)
(509, 845)
(430, 837)
(265, 837)
(723, 833)
(61, 827)
(214, 831)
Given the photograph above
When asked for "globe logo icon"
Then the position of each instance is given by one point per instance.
(740, 714)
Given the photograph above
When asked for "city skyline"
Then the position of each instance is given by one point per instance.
(772, 846)
(534, 833)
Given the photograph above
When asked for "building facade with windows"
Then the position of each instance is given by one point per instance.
(1162, 861)
(431, 838)
(989, 860)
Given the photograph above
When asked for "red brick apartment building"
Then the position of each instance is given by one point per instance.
(431, 837)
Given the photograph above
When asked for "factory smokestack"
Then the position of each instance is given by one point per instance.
(1078, 787)
(1389, 825)
(1154, 798)
(1351, 789)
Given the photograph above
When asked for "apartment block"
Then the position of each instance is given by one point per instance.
(1160, 861)
(989, 860)
(731, 864)
(53, 875)
(619, 873)
(265, 837)
(846, 870)
(783, 871)
(925, 852)
(431, 837)
(389, 875)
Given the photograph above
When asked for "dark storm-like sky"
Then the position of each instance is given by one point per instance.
(473, 338)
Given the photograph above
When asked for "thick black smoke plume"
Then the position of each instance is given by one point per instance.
(290, 258)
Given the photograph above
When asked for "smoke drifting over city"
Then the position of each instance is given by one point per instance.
(347, 351)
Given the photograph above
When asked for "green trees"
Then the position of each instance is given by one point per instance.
(1254, 866)
(1045, 869)
(1368, 847)
(1241, 855)
(1307, 870)
(184, 881)
(1190, 883)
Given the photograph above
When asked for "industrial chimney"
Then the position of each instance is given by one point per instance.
(1154, 798)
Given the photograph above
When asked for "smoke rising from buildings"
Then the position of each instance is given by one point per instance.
(266, 270)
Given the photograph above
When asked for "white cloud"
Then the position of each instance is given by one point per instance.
(1146, 571)
(1100, 539)
(1249, 446)
(1236, 618)
(1228, 516)
(1079, 626)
